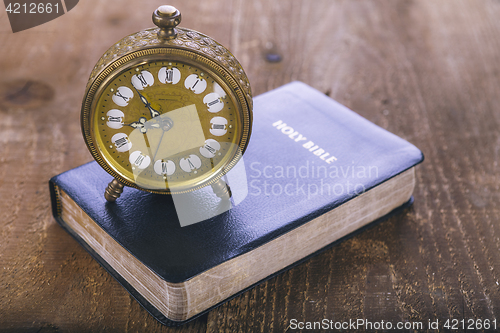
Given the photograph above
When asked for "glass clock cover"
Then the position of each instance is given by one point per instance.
(167, 110)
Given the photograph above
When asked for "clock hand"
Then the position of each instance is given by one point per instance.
(159, 144)
(152, 111)
(166, 124)
(143, 125)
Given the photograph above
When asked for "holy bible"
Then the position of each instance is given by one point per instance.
(316, 172)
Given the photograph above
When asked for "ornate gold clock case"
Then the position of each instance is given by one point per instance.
(167, 110)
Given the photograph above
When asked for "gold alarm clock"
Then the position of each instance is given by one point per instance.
(167, 110)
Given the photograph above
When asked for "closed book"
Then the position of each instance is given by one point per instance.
(316, 172)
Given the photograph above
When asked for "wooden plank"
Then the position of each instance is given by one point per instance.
(427, 71)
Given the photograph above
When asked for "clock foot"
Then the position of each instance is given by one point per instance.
(113, 191)
(221, 189)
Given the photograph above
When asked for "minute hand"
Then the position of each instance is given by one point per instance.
(152, 111)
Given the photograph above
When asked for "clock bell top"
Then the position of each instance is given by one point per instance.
(167, 18)
(168, 35)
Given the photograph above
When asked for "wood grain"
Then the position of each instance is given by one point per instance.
(427, 71)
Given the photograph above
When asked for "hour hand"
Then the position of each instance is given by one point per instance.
(146, 103)
(153, 112)
(143, 125)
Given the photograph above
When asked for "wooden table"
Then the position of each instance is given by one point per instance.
(428, 71)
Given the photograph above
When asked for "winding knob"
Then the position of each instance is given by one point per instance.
(167, 18)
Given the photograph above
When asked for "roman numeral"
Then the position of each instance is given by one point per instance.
(121, 142)
(115, 119)
(214, 102)
(170, 75)
(139, 159)
(210, 149)
(120, 95)
(142, 79)
(164, 167)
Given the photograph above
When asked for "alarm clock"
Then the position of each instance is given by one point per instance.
(167, 110)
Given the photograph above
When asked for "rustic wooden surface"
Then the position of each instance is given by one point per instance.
(428, 71)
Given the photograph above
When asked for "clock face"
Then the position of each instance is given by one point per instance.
(167, 125)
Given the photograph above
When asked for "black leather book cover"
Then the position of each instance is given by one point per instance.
(307, 155)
